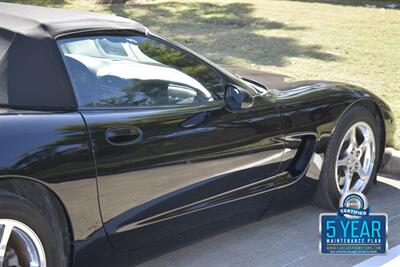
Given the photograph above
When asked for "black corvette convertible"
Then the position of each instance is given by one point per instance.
(117, 144)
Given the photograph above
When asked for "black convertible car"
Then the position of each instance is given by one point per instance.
(117, 145)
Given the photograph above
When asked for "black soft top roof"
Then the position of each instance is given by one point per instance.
(32, 73)
(38, 21)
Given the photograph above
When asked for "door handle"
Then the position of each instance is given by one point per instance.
(124, 135)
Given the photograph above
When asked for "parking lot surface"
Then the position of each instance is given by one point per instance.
(289, 239)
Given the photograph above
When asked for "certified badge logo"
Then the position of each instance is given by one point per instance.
(353, 229)
(353, 205)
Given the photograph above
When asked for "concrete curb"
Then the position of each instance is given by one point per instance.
(391, 162)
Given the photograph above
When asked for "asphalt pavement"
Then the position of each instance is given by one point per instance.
(289, 239)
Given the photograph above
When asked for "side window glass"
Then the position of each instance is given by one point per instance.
(188, 65)
(136, 71)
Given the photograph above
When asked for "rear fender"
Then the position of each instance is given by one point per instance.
(52, 148)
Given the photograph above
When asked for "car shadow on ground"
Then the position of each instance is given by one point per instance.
(290, 238)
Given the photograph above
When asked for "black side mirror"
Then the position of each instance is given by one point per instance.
(237, 99)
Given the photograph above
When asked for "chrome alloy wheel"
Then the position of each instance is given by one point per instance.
(356, 158)
(20, 246)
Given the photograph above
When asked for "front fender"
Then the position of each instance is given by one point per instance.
(315, 108)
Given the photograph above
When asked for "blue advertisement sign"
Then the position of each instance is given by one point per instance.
(353, 230)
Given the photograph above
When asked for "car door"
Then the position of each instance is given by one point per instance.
(170, 157)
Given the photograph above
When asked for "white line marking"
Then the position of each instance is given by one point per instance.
(298, 259)
(394, 217)
(392, 182)
(392, 259)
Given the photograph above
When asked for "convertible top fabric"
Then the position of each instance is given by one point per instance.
(32, 72)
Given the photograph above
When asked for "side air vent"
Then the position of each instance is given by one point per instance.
(303, 156)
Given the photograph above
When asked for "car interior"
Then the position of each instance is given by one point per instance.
(118, 73)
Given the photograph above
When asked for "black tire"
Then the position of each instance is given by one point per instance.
(20, 209)
(327, 194)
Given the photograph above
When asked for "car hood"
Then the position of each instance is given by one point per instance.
(272, 80)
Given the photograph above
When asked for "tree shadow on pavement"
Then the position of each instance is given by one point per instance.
(223, 32)
(366, 3)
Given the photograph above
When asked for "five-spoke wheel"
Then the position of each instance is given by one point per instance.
(20, 246)
(32, 233)
(352, 156)
(356, 158)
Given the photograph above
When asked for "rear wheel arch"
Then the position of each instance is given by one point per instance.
(43, 198)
